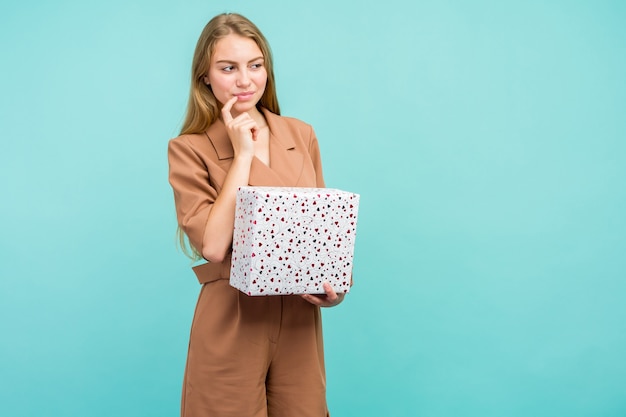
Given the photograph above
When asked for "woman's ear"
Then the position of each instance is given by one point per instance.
(206, 80)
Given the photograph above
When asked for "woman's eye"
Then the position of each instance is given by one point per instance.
(256, 66)
(228, 68)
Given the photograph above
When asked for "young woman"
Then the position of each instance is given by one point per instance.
(248, 356)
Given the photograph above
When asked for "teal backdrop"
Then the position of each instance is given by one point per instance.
(487, 140)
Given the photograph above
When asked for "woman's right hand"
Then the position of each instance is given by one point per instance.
(241, 130)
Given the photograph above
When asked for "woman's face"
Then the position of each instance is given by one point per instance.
(237, 69)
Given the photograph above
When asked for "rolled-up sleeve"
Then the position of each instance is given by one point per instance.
(193, 194)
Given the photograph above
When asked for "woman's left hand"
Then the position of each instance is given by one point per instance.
(329, 299)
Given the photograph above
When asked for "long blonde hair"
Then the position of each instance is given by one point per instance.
(203, 109)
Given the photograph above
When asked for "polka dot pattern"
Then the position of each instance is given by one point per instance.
(290, 240)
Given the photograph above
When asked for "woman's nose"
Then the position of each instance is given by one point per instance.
(243, 79)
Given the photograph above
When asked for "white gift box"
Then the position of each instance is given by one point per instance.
(290, 240)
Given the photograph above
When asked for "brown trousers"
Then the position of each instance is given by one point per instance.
(254, 356)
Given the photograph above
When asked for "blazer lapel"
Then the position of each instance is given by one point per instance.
(286, 163)
(216, 133)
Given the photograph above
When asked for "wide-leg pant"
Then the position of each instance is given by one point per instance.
(254, 356)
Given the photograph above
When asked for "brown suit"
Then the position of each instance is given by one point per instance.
(248, 356)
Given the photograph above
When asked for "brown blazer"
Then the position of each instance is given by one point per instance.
(198, 164)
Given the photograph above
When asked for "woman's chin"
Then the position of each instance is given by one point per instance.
(244, 106)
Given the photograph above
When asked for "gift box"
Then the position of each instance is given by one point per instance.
(290, 240)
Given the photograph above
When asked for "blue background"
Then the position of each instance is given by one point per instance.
(487, 141)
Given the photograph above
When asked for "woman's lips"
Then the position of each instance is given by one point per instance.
(244, 96)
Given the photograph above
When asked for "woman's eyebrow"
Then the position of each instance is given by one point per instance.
(227, 61)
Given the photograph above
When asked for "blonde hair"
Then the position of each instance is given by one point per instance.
(203, 109)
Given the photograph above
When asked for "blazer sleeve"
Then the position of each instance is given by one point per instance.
(316, 158)
(193, 194)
